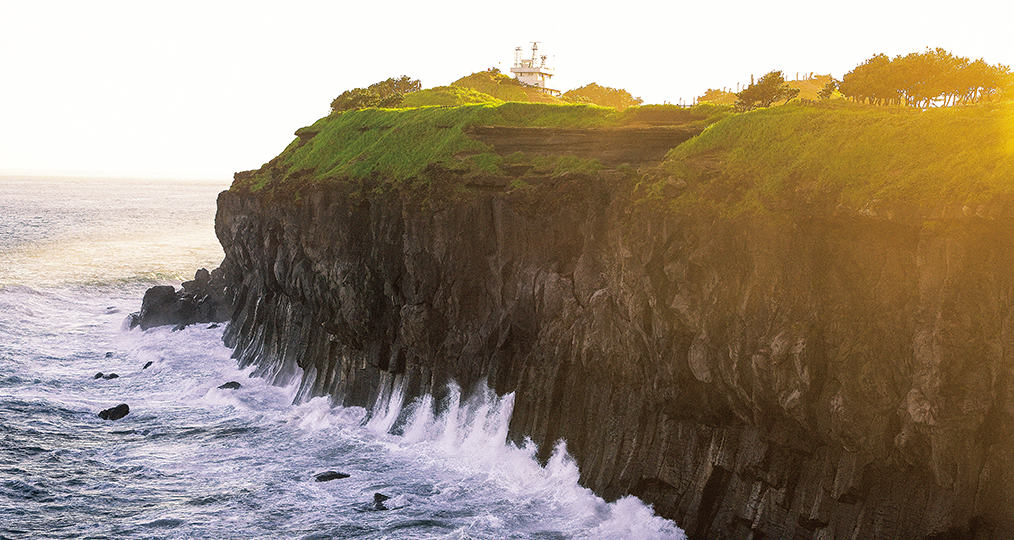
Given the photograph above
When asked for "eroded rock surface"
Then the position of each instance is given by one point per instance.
(809, 373)
(206, 298)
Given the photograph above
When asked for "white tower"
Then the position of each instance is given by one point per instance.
(533, 71)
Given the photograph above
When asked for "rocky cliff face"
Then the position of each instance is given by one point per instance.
(811, 373)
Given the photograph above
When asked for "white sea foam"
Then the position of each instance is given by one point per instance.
(469, 440)
(192, 460)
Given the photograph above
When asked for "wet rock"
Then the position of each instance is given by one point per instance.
(99, 375)
(231, 385)
(201, 280)
(109, 354)
(147, 364)
(110, 376)
(115, 413)
(330, 475)
(206, 298)
(378, 501)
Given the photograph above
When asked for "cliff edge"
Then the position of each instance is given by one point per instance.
(800, 362)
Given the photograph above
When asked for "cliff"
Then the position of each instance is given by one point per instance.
(815, 370)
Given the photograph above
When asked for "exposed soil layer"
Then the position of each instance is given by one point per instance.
(634, 146)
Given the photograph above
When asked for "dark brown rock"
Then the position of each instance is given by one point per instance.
(327, 476)
(115, 413)
(809, 373)
(206, 298)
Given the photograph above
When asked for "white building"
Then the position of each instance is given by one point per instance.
(533, 71)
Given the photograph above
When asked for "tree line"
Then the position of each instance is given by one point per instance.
(387, 94)
(932, 77)
(768, 89)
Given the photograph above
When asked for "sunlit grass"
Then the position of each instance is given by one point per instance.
(849, 154)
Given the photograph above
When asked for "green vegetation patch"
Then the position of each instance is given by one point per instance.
(447, 96)
(394, 146)
(503, 87)
(844, 154)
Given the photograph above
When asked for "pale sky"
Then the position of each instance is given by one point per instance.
(207, 88)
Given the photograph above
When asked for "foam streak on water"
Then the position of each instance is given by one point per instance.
(192, 460)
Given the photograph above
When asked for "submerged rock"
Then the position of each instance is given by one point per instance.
(231, 385)
(148, 364)
(378, 501)
(330, 475)
(115, 413)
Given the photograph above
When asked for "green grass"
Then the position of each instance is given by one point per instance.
(447, 96)
(503, 87)
(398, 146)
(849, 154)
(701, 115)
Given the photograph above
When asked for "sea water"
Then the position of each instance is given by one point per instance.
(192, 460)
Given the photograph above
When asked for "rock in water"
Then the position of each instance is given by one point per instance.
(378, 501)
(111, 376)
(115, 413)
(204, 299)
(99, 375)
(330, 475)
(160, 306)
(231, 385)
(202, 278)
(148, 364)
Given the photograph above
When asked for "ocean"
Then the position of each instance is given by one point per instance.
(193, 460)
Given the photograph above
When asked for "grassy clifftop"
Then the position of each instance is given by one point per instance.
(845, 155)
(835, 154)
(397, 146)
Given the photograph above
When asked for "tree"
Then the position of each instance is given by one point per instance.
(392, 90)
(929, 78)
(716, 96)
(830, 87)
(767, 90)
(387, 94)
(874, 81)
(357, 98)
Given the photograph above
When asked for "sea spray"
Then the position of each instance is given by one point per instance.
(469, 439)
(193, 460)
